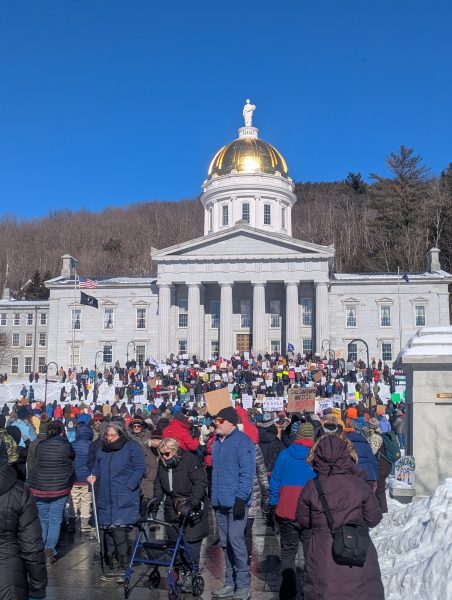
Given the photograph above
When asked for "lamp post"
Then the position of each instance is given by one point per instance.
(325, 343)
(95, 363)
(47, 370)
(133, 344)
(368, 364)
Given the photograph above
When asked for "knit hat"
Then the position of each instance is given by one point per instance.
(373, 423)
(44, 418)
(305, 431)
(22, 412)
(229, 414)
(267, 420)
(98, 417)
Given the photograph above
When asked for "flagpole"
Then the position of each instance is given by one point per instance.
(74, 317)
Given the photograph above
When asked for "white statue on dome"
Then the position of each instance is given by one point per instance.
(248, 110)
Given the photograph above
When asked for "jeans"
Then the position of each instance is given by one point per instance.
(232, 540)
(401, 439)
(51, 514)
(291, 533)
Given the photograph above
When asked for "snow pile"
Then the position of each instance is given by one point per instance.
(414, 544)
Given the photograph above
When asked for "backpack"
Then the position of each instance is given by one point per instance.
(391, 447)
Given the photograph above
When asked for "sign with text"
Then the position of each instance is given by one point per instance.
(323, 404)
(247, 400)
(301, 399)
(272, 404)
(405, 470)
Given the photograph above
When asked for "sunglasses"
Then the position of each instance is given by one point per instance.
(219, 420)
(165, 454)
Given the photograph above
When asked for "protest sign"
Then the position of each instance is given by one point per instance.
(272, 404)
(381, 409)
(405, 470)
(324, 403)
(351, 399)
(247, 401)
(301, 399)
(317, 376)
(217, 400)
(395, 398)
(230, 387)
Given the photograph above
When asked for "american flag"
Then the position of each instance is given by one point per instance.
(85, 282)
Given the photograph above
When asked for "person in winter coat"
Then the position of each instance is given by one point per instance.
(233, 472)
(182, 479)
(179, 429)
(9, 441)
(366, 460)
(350, 500)
(23, 574)
(269, 443)
(80, 510)
(384, 467)
(119, 468)
(143, 436)
(27, 430)
(398, 426)
(289, 476)
(50, 481)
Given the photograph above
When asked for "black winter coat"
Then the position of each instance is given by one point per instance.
(22, 562)
(189, 481)
(270, 444)
(53, 468)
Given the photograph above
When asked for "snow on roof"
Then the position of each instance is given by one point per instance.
(12, 302)
(429, 342)
(391, 276)
(107, 281)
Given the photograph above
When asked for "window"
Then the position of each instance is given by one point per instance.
(275, 346)
(352, 352)
(41, 364)
(245, 313)
(275, 313)
(28, 340)
(351, 316)
(14, 364)
(267, 214)
(210, 220)
(214, 314)
(419, 310)
(183, 312)
(15, 340)
(74, 355)
(214, 349)
(42, 340)
(385, 315)
(3, 319)
(246, 212)
(43, 319)
(16, 319)
(283, 218)
(30, 318)
(108, 354)
(108, 318)
(27, 364)
(76, 319)
(386, 351)
(306, 312)
(141, 318)
(3, 339)
(182, 346)
(140, 353)
(307, 346)
(224, 215)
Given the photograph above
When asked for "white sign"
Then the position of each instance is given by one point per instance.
(272, 404)
(247, 401)
(405, 470)
(321, 405)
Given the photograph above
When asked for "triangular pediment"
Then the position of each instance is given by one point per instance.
(243, 241)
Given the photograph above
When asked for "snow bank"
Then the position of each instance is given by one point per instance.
(414, 544)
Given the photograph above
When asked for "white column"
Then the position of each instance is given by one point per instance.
(292, 330)
(226, 338)
(193, 334)
(259, 324)
(164, 319)
(322, 325)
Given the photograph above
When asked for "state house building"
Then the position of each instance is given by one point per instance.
(246, 284)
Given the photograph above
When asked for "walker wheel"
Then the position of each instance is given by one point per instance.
(197, 586)
(173, 595)
(154, 579)
(126, 588)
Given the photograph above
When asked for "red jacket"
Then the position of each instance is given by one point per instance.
(181, 433)
(248, 428)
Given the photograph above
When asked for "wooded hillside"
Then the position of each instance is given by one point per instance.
(377, 227)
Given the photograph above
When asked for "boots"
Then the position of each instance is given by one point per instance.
(84, 525)
(110, 570)
(122, 569)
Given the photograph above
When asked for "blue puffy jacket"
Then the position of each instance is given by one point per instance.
(366, 459)
(119, 473)
(233, 469)
(83, 439)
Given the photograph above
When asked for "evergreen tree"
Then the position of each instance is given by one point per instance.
(36, 289)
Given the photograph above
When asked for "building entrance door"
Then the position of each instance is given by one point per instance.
(243, 342)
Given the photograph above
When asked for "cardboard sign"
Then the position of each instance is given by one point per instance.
(217, 400)
(301, 399)
(247, 401)
(273, 404)
(317, 376)
(381, 409)
(405, 470)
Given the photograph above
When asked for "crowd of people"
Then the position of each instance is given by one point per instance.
(156, 446)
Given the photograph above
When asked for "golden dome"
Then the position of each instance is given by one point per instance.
(248, 155)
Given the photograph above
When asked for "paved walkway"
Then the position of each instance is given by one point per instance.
(76, 577)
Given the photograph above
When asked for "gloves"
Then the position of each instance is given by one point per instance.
(152, 505)
(185, 509)
(238, 510)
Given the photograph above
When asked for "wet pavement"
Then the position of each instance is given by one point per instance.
(76, 575)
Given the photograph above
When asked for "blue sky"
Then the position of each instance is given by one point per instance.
(107, 102)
